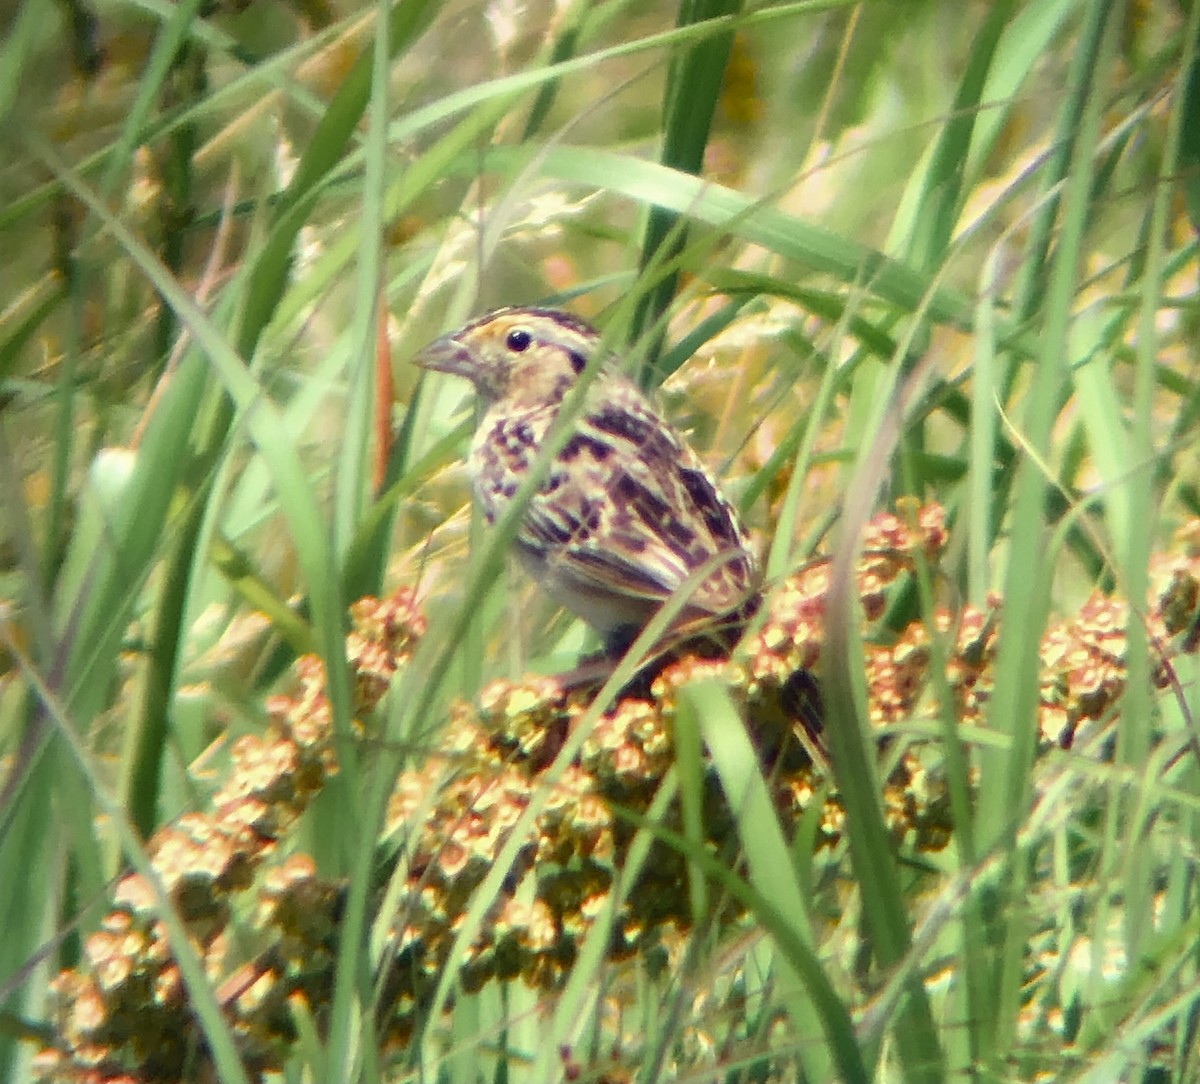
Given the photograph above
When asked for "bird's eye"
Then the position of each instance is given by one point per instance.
(518, 340)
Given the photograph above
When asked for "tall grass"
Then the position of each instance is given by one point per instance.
(922, 250)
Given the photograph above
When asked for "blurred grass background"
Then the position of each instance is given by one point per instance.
(874, 250)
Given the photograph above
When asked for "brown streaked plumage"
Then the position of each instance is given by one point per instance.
(626, 514)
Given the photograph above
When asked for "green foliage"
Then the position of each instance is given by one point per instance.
(936, 250)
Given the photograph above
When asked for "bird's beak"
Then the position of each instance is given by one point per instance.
(445, 355)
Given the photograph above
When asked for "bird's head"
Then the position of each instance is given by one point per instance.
(520, 355)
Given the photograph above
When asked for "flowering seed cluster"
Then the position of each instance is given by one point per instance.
(124, 1014)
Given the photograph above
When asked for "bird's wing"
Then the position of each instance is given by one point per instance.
(629, 510)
